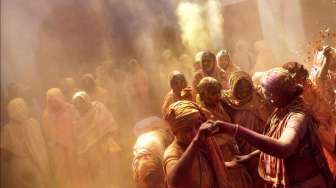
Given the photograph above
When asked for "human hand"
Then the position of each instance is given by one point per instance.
(206, 129)
(240, 159)
(225, 127)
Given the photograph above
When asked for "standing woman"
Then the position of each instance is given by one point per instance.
(291, 156)
(58, 123)
(251, 111)
(24, 160)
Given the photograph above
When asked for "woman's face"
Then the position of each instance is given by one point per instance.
(212, 97)
(276, 97)
(208, 65)
(186, 135)
(224, 62)
(177, 86)
(243, 89)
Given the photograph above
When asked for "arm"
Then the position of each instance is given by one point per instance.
(282, 147)
(179, 173)
(325, 66)
(239, 159)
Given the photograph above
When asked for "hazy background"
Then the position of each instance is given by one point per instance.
(45, 41)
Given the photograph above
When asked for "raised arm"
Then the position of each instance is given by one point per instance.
(179, 172)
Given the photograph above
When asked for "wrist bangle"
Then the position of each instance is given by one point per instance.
(236, 130)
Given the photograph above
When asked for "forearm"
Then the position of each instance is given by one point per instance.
(264, 143)
(182, 172)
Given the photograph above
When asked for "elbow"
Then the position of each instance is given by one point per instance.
(284, 152)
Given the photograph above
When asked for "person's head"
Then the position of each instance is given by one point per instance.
(18, 110)
(68, 86)
(241, 85)
(81, 100)
(209, 90)
(223, 59)
(297, 71)
(55, 99)
(197, 60)
(184, 118)
(279, 88)
(208, 62)
(88, 83)
(177, 82)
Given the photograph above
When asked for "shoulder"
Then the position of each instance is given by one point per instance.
(198, 74)
(169, 95)
(299, 121)
(173, 151)
(171, 156)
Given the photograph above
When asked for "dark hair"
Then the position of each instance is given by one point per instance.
(208, 54)
(175, 76)
(296, 69)
(298, 90)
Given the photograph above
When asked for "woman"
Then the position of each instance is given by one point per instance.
(179, 90)
(193, 159)
(250, 108)
(24, 160)
(209, 69)
(291, 156)
(224, 62)
(210, 99)
(322, 111)
(96, 149)
(251, 111)
(58, 123)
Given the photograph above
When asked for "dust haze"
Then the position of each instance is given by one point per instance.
(44, 42)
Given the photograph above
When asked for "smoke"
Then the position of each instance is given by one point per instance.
(42, 42)
(194, 32)
(215, 23)
(201, 25)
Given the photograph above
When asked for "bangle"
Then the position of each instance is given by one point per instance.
(236, 130)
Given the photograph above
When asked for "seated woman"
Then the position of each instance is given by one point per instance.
(153, 138)
(209, 90)
(179, 90)
(193, 159)
(291, 155)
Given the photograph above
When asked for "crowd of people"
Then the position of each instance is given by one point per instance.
(232, 129)
(229, 127)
